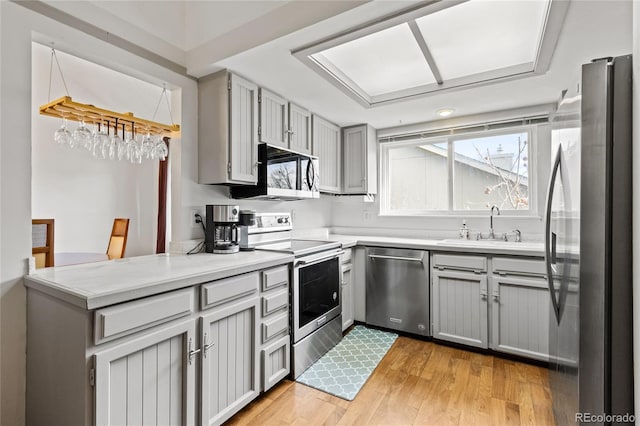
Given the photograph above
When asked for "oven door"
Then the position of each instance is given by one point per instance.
(316, 292)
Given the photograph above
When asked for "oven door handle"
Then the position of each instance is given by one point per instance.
(319, 259)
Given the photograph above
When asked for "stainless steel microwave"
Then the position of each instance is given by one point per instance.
(282, 175)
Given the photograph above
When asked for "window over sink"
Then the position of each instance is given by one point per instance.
(458, 173)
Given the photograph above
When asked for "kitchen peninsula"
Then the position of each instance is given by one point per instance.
(107, 333)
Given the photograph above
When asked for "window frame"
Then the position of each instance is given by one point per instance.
(533, 167)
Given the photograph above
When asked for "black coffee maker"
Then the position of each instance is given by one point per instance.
(222, 235)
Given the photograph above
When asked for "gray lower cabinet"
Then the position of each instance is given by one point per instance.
(459, 307)
(276, 362)
(520, 316)
(347, 296)
(230, 364)
(147, 380)
(519, 308)
(275, 338)
(157, 359)
(506, 311)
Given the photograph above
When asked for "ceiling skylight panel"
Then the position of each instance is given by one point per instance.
(379, 63)
(484, 35)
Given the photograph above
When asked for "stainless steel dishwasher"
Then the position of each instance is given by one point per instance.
(398, 289)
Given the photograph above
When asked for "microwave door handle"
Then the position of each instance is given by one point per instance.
(311, 174)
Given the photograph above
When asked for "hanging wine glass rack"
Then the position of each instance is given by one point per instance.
(65, 107)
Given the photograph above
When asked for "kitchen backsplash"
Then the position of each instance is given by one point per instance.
(353, 216)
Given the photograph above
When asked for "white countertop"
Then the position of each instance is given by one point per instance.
(98, 284)
(533, 249)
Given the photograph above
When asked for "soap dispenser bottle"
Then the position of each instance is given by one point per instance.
(464, 231)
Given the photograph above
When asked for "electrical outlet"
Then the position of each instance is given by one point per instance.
(293, 215)
(367, 215)
(192, 216)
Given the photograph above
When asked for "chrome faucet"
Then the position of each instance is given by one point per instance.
(491, 234)
(518, 235)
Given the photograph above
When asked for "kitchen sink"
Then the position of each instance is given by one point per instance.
(491, 243)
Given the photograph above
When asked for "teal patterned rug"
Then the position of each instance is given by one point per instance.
(344, 369)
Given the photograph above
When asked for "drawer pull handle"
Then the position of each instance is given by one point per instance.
(191, 352)
(207, 347)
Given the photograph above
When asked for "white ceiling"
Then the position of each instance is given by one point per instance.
(255, 38)
(592, 29)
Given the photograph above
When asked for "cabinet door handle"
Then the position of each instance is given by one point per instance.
(191, 352)
(496, 297)
(207, 347)
(483, 294)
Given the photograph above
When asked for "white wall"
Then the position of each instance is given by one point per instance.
(84, 194)
(18, 28)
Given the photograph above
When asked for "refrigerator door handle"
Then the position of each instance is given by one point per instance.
(549, 239)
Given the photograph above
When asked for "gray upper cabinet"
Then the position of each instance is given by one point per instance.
(283, 123)
(299, 129)
(227, 130)
(274, 119)
(327, 146)
(359, 160)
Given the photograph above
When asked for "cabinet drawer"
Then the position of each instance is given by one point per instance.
(275, 301)
(275, 326)
(127, 318)
(275, 362)
(518, 266)
(228, 289)
(464, 263)
(275, 277)
(346, 257)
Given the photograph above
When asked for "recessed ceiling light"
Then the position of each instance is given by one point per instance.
(445, 112)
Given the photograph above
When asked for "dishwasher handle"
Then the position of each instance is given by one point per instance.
(409, 259)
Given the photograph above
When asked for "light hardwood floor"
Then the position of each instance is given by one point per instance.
(419, 383)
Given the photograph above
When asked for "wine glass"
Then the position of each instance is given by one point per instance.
(121, 145)
(63, 135)
(136, 152)
(82, 135)
(98, 140)
(113, 145)
(161, 149)
(147, 146)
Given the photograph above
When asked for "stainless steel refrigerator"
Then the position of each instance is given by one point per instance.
(588, 248)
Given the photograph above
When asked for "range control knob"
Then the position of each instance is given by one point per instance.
(280, 220)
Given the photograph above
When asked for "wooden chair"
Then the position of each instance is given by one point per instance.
(42, 233)
(118, 239)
